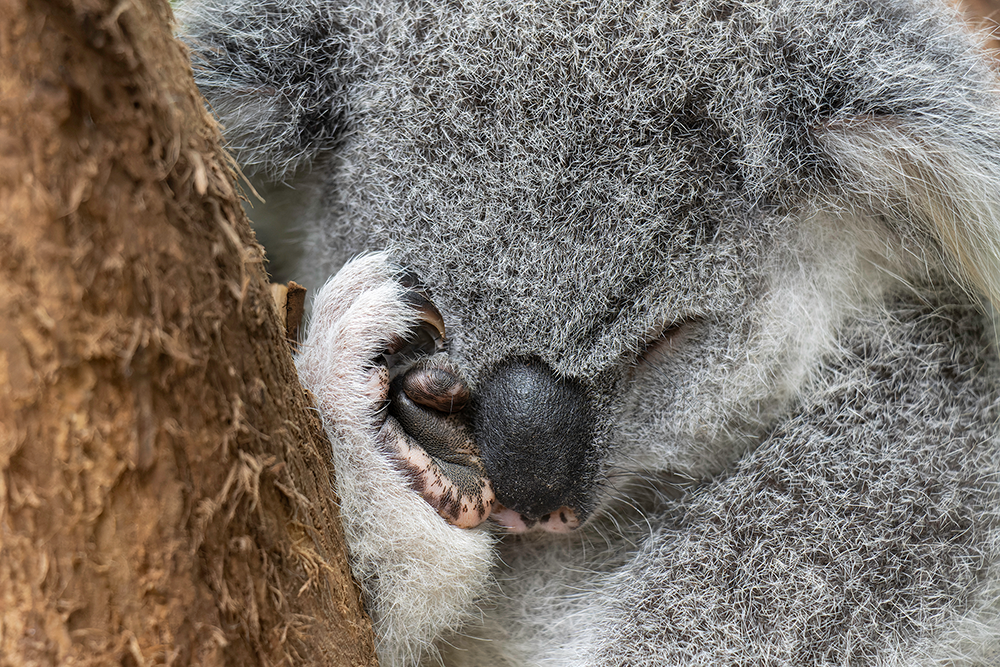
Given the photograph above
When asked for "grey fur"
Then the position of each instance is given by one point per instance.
(810, 189)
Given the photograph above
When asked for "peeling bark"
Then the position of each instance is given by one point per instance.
(165, 493)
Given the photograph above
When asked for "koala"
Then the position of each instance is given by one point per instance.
(659, 332)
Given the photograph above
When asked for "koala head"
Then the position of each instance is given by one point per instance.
(641, 256)
(645, 223)
(637, 339)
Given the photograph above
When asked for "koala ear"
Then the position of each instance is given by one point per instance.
(932, 179)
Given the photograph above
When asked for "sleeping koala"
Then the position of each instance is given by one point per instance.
(666, 336)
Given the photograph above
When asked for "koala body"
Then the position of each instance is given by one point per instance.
(715, 281)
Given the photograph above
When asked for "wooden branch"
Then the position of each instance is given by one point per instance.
(165, 488)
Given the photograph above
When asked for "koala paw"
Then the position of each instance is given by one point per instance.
(427, 432)
(395, 427)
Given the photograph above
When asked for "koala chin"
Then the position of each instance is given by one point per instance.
(653, 332)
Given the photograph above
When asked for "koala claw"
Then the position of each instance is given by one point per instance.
(422, 430)
(426, 339)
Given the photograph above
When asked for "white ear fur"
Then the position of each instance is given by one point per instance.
(945, 184)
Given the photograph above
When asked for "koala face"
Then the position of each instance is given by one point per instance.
(603, 363)
(653, 340)
(611, 260)
(563, 325)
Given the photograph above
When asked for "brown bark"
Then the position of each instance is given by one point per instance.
(164, 489)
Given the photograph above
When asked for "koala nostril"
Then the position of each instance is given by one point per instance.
(562, 520)
(534, 432)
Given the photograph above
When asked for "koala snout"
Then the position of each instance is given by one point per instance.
(534, 432)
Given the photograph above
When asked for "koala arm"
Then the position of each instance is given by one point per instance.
(420, 575)
(861, 523)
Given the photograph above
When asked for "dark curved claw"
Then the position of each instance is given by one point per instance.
(426, 339)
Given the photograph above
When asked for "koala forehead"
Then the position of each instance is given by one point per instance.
(553, 176)
(581, 306)
(566, 106)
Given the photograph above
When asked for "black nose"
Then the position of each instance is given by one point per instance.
(534, 432)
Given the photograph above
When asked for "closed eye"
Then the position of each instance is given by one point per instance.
(666, 339)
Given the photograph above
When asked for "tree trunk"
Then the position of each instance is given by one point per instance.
(165, 492)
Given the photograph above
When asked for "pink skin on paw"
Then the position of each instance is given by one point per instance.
(462, 494)
(465, 501)
(432, 445)
(452, 480)
(377, 386)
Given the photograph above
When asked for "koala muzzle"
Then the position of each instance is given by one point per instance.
(534, 432)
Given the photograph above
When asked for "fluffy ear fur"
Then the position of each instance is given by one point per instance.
(281, 101)
(943, 181)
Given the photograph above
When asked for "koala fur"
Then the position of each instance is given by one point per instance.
(755, 244)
